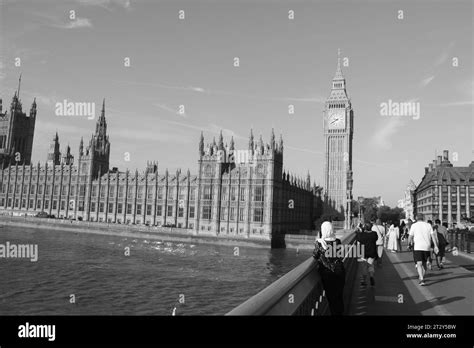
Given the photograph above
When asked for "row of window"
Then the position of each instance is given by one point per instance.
(206, 213)
(82, 190)
(444, 189)
(225, 213)
(182, 191)
(231, 194)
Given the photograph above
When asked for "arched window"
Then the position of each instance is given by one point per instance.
(208, 170)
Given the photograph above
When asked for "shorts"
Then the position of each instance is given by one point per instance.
(421, 255)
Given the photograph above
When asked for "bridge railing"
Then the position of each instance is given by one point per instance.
(462, 239)
(300, 291)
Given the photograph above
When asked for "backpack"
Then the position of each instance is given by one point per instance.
(332, 264)
(442, 241)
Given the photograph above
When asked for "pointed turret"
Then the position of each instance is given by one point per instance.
(101, 125)
(272, 140)
(261, 146)
(68, 158)
(201, 145)
(281, 143)
(33, 109)
(54, 156)
(232, 144)
(338, 75)
(221, 141)
(251, 143)
(339, 82)
(81, 147)
(19, 85)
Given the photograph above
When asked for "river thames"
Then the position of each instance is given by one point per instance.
(156, 277)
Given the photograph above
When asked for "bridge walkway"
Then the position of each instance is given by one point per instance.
(449, 291)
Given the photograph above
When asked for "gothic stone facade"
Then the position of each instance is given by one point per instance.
(16, 132)
(249, 196)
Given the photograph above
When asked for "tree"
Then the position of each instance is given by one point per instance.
(386, 214)
(368, 208)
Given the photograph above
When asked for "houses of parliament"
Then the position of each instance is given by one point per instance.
(250, 198)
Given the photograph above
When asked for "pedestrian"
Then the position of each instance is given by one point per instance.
(407, 230)
(429, 264)
(442, 234)
(331, 268)
(422, 234)
(368, 239)
(393, 235)
(380, 230)
(401, 235)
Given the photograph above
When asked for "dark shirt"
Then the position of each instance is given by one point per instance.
(368, 240)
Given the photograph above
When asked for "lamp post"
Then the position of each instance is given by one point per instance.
(360, 200)
(349, 199)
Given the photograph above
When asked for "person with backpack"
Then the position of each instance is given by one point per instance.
(331, 268)
(442, 234)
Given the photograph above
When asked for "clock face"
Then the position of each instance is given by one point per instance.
(336, 120)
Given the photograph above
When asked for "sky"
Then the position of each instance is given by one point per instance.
(423, 55)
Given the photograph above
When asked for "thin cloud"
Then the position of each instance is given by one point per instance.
(312, 100)
(425, 82)
(382, 137)
(443, 57)
(76, 24)
(158, 134)
(170, 109)
(107, 4)
(456, 103)
(164, 86)
(214, 128)
(198, 89)
(467, 90)
(211, 128)
(55, 22)
(220, 92)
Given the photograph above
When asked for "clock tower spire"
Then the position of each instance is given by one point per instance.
(338, 133)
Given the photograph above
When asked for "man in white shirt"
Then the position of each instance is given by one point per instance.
(380, 230)
(421, 233)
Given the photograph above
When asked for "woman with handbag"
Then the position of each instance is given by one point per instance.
(331, 268)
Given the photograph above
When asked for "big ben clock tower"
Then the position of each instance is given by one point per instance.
(338, 122)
